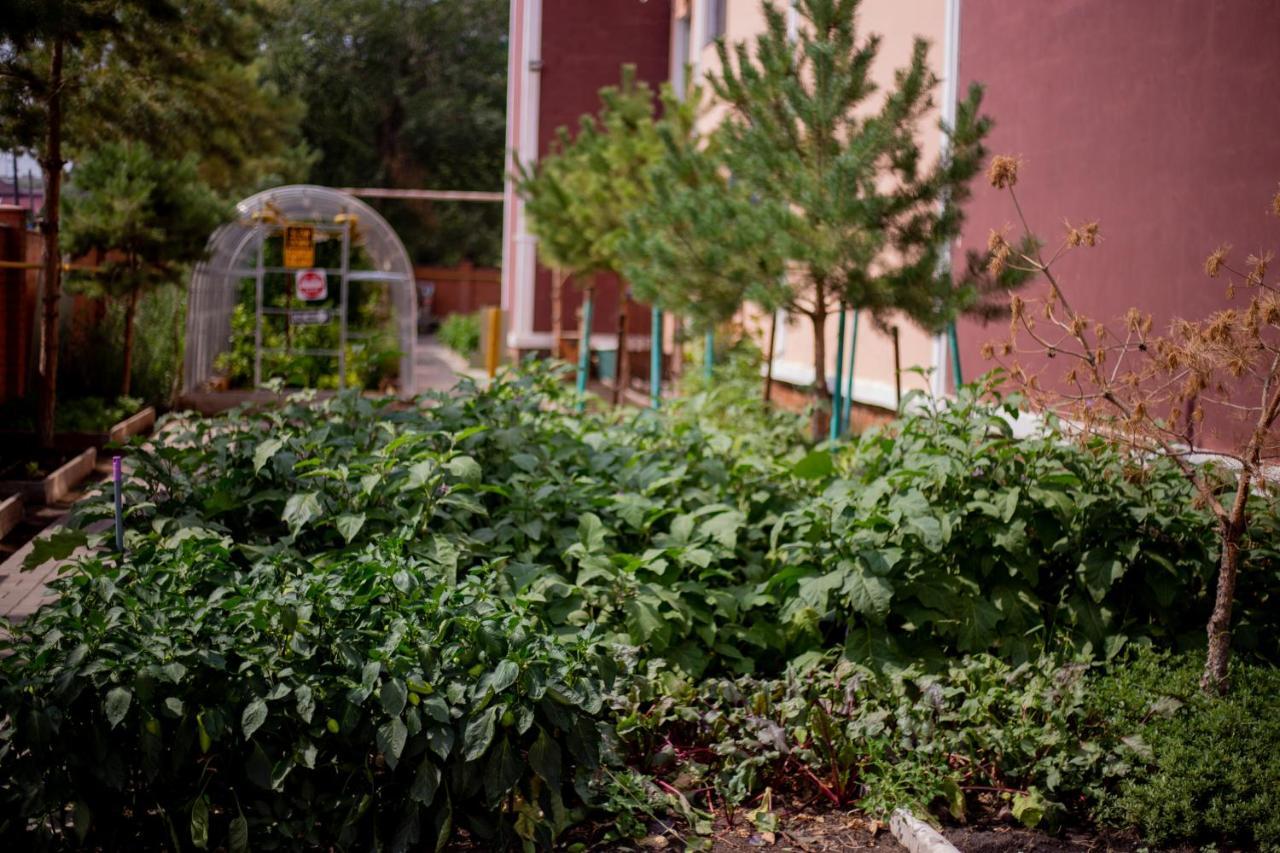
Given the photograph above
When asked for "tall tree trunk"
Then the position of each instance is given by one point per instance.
(821, 393)
(768, 359)
(51, 167)
(130, 312)
(557, 312)
(619, 372)
(1218, 660)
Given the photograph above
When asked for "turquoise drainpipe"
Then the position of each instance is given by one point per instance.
(837, 407)
(655, 358)
(709, 355)
(584, 348)
(853, 356)
(955, 354)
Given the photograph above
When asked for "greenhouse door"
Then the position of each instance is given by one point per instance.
(309, 297)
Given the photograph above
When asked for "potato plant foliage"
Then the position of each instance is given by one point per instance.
(365, 624)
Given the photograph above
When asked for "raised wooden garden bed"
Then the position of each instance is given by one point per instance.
(10, 514)
(135, 424)
(60, 477)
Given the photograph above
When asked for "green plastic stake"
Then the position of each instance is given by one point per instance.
(584, 348)
(955, 353)
(837, 408)
(655, 358)
(709, 355)
(848, 395)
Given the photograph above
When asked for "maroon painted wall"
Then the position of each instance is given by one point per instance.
(1158, 118)
(585, 43)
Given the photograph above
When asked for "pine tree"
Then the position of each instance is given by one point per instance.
(700, 245)
(861, 219)
(147, 216)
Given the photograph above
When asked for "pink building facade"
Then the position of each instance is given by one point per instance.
(1156, 118)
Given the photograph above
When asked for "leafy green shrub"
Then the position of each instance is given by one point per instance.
(944, 533)
(656, 534)
(1212, 765)
(194, 695)
(461, 333)
(718, 549)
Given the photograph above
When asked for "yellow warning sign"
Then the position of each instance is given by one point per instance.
(299, 246)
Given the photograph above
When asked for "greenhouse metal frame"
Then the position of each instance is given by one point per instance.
(236, 252)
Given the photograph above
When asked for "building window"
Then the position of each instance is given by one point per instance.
(680, 57)
(715, 20)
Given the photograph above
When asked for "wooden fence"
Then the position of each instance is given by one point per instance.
(463, 289)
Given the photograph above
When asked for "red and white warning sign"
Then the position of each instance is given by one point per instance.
(311, 285)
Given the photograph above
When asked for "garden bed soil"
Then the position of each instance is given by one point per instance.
(818, 833)
(1016, 839)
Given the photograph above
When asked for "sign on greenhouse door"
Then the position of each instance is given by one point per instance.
(311, 285)
(299, 246)
(309, 317)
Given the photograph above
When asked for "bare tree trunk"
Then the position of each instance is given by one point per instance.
(557, 313)
(620, 371)
(1218, 660)
(130, 312)
(51, 167)
(768, 359)
(821, 393)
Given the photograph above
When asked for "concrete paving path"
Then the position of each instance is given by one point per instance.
(438, 368)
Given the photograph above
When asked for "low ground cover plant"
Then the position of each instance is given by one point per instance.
(1133, 743)
(499, 552)
(1210, 770)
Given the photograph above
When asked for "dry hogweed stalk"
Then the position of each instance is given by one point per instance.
(1150, 392)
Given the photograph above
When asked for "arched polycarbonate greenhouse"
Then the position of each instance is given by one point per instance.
(308, 285)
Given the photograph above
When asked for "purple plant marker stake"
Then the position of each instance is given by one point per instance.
(115, 476)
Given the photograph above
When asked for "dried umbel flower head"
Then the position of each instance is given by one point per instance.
(1085, 235)
(1258, 267)
(1000, 250)
(1213, 264)
(1003, 171)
